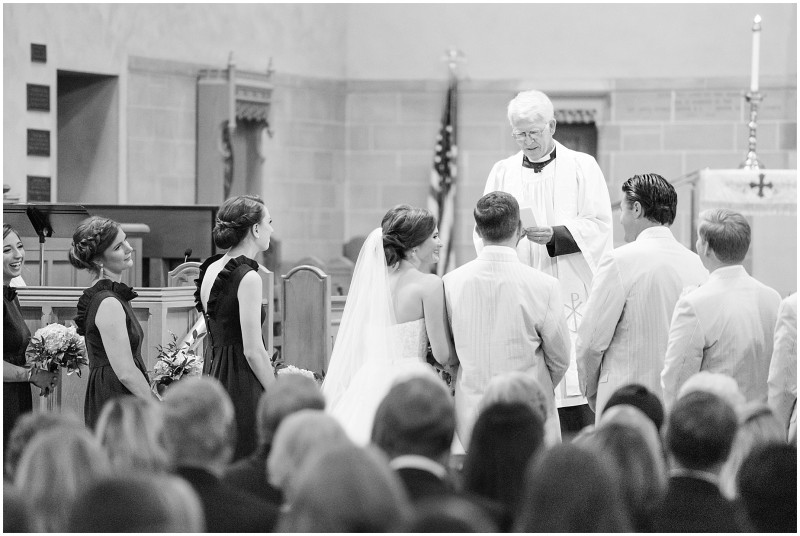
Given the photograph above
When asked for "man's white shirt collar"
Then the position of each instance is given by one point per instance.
(657, 231)
(413, 461)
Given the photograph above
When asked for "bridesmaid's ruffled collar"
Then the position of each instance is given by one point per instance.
(122, 290)
(223, 277)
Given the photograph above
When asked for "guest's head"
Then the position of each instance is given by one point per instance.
(569, 489)
(641, 398)
(449, 514)
(289, 394)
(100, 246)
(13, 254)
(648, 200)
(700, 432)
(132, 431)
(410, 233)
(497, 218)
(517, 387)
(767, 483)
(199, 425)
(346, 488)
(627, 415)
(298, 437)
(137, 503)
(533, 123)
(244, 217)
(27, 427)
(55, 466)
(723, 237)
(715, 383)
(757, 425)
(416, 417)
(505, 437)
(641, 473)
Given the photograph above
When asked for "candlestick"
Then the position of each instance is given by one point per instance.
(755, 57)
(752, 161)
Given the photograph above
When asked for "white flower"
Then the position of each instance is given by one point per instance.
(161, 368)
(291, 369)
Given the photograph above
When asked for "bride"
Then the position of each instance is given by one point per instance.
(393, 309)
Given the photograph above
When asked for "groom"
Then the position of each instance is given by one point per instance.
(505, 315)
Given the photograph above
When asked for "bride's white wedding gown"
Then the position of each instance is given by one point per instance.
(356, 408)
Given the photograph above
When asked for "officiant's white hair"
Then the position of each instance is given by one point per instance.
(531, 105)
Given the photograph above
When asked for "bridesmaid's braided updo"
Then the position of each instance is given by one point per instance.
(405, 227)
(235, 217)
(91, 238)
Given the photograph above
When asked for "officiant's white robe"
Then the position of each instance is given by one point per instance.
(506, 317)
(725, 325)
(571, 191)
(623, 338)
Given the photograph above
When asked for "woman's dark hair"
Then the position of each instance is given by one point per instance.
(505, 437)
(405, 227)
(568, 489)
(235, 217)
(8, 229)
(92, 237)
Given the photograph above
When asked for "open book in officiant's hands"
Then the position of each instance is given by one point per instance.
(527, 217)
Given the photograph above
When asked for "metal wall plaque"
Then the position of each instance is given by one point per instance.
(38, 189)
(38, 142)
(39, 53)
(38, 97)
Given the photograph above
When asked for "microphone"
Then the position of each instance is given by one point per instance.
(186, 254)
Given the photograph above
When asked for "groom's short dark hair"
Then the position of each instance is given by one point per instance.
(497, 216)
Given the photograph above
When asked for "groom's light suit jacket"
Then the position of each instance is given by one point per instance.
(506, 316)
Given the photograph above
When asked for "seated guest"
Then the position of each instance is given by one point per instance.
(767, 483)
(727, 324)
(414, 425)
(504, 439)
(450, 514)
(138, 503)
(54, 467)
(291, 393)
(718, 384)
(198, 429)
(699, 435)
(27, 427)
(568, 489)
(641, 398)
(782, 379)
(16, 517)
(641, 474)
(298, 438)
(757, 425)
(346, 489)
(132, 431)
(517, 386)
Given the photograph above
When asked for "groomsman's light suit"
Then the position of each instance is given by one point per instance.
(726, 325)
(782, 380)
(505, 316)
(623, 337)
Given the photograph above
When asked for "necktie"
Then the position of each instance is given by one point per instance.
(537, 166)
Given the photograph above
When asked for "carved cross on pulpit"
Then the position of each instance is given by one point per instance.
(761, 185)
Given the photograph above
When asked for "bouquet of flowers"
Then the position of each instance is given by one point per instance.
(282, 368)
(57, 346)
(173, 363)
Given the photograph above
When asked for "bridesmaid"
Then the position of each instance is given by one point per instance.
(112, 333)
(16, 378)
(229, 295)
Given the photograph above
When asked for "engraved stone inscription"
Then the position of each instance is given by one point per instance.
(722, 105)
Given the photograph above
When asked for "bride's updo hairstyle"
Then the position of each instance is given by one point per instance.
(235, 217)
(405, 227)
(92, 238)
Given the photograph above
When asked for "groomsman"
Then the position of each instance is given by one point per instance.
(505, 315)
(623, 337)
(727, 324)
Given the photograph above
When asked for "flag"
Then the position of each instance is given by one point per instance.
(441, 196)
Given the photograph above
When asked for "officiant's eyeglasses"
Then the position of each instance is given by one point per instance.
(533, 134)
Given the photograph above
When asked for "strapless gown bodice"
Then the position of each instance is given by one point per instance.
(413, 339)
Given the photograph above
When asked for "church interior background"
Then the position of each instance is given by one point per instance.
(337, 107)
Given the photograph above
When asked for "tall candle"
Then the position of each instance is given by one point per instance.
(754, 60)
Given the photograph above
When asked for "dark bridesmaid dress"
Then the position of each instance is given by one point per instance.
(16, 395)
(103, 382)
(227, 362)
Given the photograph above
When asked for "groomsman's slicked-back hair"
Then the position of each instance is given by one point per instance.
(657, 196)
(726, 232)
(497, 216)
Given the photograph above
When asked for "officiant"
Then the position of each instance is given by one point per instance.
(569, 200)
